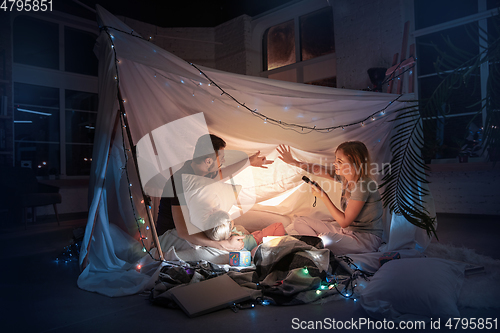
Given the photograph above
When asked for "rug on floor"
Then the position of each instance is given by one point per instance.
(481, 290)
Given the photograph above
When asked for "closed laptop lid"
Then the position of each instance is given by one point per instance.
(209, 295)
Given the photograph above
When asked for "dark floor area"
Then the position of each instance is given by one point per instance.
(40, 295)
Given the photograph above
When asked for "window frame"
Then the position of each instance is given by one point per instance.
(293, 12)
(59, 78)
(481, 17)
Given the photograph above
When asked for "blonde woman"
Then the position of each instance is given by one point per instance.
(355, 227)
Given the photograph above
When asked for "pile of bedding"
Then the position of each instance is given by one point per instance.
(294, 270)
(288, 270)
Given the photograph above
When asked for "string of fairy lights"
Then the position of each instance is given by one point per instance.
(138, 220)
(329, 283)
(299, 128)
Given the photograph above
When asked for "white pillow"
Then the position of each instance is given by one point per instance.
(414, 288)
(203, 197)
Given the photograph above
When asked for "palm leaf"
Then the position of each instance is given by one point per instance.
(402, 183)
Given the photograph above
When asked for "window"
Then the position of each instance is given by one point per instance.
(302, 49)
(79, 54)
(316, 34)
(81, 117)
(36, 128)
(280, 43)
(36, 42)
(430, 12)
(460, 131)
(54, 126)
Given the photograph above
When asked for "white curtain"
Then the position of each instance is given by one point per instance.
(159, 89)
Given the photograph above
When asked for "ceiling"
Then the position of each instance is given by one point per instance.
(174, 13)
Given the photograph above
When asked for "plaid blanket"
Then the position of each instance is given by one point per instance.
(291, 269)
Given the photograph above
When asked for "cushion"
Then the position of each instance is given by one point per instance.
(414, 288)
(204, 196)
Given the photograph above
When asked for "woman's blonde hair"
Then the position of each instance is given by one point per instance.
(358, 155)
(219, 224)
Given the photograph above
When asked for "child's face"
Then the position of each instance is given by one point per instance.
(342, 165)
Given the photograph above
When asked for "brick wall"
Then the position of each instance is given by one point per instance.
(224, 47)
(233, 44)
(367, 34)
(196, 45)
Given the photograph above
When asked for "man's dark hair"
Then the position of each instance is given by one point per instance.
(206, 146)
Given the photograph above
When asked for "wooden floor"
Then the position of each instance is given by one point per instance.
(40, 295)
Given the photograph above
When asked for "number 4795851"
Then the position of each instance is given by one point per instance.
(26, 5)
(472, 323)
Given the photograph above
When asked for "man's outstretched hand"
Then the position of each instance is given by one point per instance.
(259, 161)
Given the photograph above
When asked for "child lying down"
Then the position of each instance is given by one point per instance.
(225, 228)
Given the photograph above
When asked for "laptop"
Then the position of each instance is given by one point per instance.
(210, 295)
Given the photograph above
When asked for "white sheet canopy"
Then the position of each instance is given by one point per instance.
(162, 94)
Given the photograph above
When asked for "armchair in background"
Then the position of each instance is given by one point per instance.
(20, 190)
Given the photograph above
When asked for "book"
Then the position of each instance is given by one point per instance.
(471, 269)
